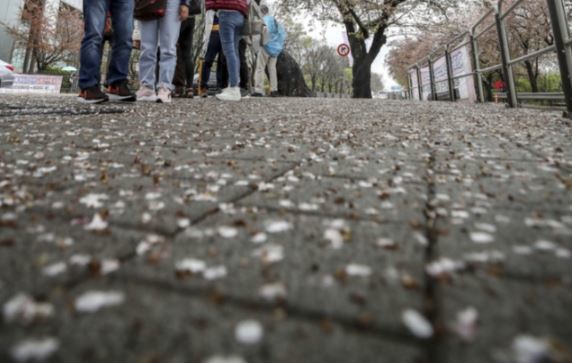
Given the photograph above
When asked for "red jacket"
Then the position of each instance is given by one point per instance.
(238, 5)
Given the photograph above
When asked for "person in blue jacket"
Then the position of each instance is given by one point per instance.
(273, 39)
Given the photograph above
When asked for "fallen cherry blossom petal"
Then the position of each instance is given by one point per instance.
(25, 309)
(93, 301)
(249, 332)
(35, 349)
(417, 324)
(358, 270)
(96, 224)
(481, 237)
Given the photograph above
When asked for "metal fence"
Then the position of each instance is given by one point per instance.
(562, 47)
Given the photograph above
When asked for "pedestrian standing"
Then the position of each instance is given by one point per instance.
(161, 33)
(231, 15)
(185, 68)
(273, 39)
(94, 12)
(214, 49)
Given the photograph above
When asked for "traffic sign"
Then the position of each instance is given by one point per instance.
(343, 50)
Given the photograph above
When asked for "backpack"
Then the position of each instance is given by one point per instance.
(274, 38)
(150, 9)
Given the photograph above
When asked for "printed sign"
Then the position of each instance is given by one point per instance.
(35, 83)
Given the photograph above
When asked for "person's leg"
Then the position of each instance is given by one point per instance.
(122, 43)
(148, 57)
(187, 52)
(222, 71)
(180, 78)
(259, 75)
(231, 23)
(244, 71)
(94, 12)
(169, 26)
(212, 50)
(272, 74)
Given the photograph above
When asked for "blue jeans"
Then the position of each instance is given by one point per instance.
(231, 23)
(214, 49)
(162, 33)
(94, 12)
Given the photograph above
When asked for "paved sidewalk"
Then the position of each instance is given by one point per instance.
(284, 230)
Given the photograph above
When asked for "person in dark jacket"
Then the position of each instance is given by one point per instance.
(231, 15)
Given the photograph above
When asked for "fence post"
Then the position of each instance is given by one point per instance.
(409, 85)
(505, 55)
(561, 37)
(450, 80)
(432, 80)
(477, 68)
(419, 83)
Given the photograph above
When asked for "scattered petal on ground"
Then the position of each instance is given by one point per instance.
(417, 324)
(25, 309)
(249, 332)
(35, 349)
(93, 301)
(481, 237)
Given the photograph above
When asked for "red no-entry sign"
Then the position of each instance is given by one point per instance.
(343, 50)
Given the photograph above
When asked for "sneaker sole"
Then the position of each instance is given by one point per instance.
(114, 97)
(228, 99)
(91, 102)
(147, 99)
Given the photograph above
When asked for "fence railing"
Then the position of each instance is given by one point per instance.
(562, 46)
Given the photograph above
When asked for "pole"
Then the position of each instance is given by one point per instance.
(432, 80)
(564, 52)
(506, 67)
(477, 68)
(419, 85)
(450, 80)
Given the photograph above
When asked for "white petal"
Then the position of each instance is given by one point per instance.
(481, 237)
(35, 349)
(417, 324)
(249, 332)
(93, 301)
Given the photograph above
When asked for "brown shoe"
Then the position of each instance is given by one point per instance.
(92, 95)
(120, 91)
(203, 92)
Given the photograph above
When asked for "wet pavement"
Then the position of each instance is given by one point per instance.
(284, 230)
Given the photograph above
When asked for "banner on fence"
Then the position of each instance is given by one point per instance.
(464, 87)
(414, 84)
(35, 83)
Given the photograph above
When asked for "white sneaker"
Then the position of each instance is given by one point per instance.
(146, 94)
(164, 95)
(229, 94)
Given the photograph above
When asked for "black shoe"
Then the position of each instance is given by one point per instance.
(119, 91)
(92, 95)
(274, 94)
(257, 94)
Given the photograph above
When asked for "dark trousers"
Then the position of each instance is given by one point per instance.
(214, 49)
(185, 69)
(244, 73)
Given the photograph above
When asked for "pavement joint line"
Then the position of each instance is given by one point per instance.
(432, 295)
(60, 111)
(396, 333)
(345, 216)
(536, 153)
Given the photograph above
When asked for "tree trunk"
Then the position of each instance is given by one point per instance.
(361, 81)
(291, 80)
(532, 76)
